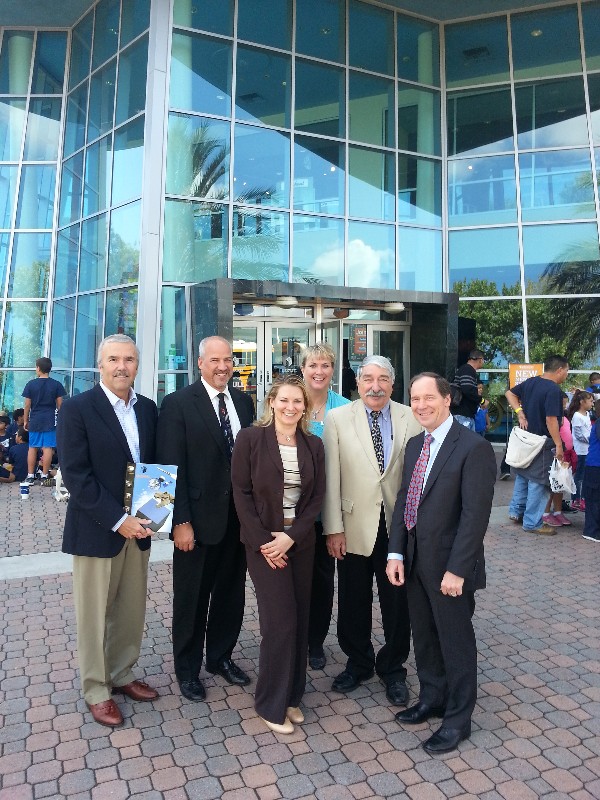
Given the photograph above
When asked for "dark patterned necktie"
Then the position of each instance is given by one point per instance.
(415, 489)
(377, 439)
(225, 422)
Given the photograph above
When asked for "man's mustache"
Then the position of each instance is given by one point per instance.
(376, 393)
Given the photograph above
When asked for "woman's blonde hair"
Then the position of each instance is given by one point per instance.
(287, 380)
(318, 350)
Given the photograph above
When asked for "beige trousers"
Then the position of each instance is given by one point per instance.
(110, 606)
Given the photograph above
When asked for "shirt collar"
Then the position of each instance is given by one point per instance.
(212, 392)
(114, 399)
(440, 433)
(385, 411)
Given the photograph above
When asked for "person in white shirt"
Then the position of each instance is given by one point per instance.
(581, 427)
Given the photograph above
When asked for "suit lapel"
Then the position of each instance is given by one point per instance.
(107, 413)
(443, 455)
(206, 411)
(273, 448)
(363, 434)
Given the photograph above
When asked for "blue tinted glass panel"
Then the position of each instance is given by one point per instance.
(482, 191)
(30, 265)
(102, 98)
(480, 122)
(172, 352)
(4, 243)
(82, 381)
(12, 120)
(81, 50)
(49, 64)
(371, 255)
(419, 190)
(499, 329)
(15, 62)
(200, 74)
(198, 157)
(8, 183)
(594, 95)
(90, 313)
(214, 16)
(420, 260)
(556, 185)
(418, 120)
(561, 258)
(195, 241)
(92, 269)
(572, 331)
(371, 184)
(590, 14)
(75, 119)
(128, 161)
(371, 110)
(70, 190)
(477, 52)
(318, 250)
(11, 388)
(24, 329)
(320, 29)
(36, 197)
(261, 166)
(484, 262)
(551, 114)
(545, 43)
(67, 261)
(168, 383)
(106, 31)
(96, 189)
(375, 51)
(260, 245)
(63, 331)
(131, 91)
(263, 89)
(418, 51)
(135, 18)
(319, 105)
(43, 130)
(121, 312)
(124, 246)
(319, 172)
(254, 27)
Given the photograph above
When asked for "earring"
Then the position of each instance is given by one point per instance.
(272, 412)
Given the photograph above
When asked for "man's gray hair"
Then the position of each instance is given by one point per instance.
(379, 361)
(117, 338)
(202, 345)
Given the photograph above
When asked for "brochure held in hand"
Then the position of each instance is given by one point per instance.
(150, 493)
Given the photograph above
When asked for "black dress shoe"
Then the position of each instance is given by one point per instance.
(193, 690)
(346, 682)
(397, 693)
(420, 712)
(316, 658)
(230, 671)
(446, 739)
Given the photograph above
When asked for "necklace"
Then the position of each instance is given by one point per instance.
(283, 435)
(315, 412)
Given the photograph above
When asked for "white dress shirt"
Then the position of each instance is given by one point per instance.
(437, 440)
(233, 415)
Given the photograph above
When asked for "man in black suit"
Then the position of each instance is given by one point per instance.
(196, 429)
(436, 541)
(98, 433)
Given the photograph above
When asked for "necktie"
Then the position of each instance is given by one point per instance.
(377, 439)
(225, 422)
(413, 498)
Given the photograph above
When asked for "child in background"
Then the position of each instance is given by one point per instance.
(581, 425)
(17, 455)
(482, 422)
(18, 417)
(554, 515)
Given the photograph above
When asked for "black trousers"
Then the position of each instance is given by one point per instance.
(208, 601)
(444, 645)
(591, 493)
(321, 599)
(355, 620)
(283, 599)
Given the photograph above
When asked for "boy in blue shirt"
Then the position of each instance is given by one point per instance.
(43, 397)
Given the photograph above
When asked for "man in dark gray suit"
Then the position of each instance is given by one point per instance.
(436, 541)
(197, 427)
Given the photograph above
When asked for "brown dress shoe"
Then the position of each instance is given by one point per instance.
(137, 690)
(106, 713)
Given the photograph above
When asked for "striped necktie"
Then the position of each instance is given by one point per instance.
(225, 422)
(377, 439)
(415, 489)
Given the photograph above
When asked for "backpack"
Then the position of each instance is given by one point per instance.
(455, 395)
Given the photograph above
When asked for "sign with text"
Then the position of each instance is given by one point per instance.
(358, 342)
(517, 373)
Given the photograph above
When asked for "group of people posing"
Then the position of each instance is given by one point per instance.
(386, 491)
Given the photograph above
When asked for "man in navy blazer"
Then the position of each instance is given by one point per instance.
(197, 426)
(98, 433)
(436, 543)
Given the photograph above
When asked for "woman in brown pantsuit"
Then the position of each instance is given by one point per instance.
(278, 476)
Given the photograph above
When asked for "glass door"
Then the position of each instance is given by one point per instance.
(248, 359)
(331, 332)
(284, 342)
(392, 343)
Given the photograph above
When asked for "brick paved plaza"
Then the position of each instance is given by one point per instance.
(536, 727)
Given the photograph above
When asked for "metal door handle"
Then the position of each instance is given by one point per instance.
(268, 377)
(260, 378)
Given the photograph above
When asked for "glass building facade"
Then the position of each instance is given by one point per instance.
(151, 145)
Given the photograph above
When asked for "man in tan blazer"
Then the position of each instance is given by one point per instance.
(364, 456)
